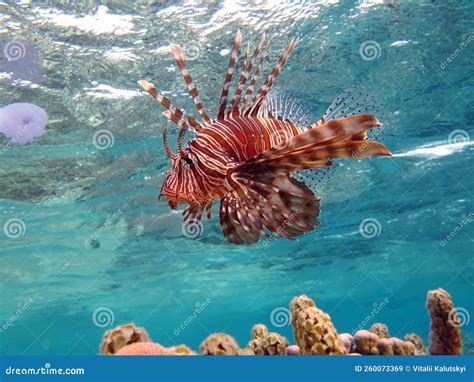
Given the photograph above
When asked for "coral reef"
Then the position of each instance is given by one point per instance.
(151, 348)
(264, 342)
(445, 333)
(314, 334)
(219, 344)
(380, 329)
(313, 329)
(346, 342)
(293, 350)
(123, 335)
(365, 342)
(415, 339)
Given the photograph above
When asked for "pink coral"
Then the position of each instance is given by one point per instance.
(151, 348)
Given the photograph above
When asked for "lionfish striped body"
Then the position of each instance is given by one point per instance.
(247, 154)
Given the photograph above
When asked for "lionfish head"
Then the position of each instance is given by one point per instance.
(180, 185)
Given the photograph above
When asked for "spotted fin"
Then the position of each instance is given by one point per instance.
(265, 205)
(352, 101)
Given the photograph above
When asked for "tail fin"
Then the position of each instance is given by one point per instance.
(313, 148)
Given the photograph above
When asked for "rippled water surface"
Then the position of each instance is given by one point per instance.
(95, 248)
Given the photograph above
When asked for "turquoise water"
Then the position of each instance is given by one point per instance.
(96, 249)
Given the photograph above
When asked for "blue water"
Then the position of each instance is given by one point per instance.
(96, 248)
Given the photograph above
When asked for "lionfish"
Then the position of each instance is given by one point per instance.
(248, 155)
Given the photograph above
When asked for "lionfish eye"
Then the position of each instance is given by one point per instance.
(188, 160)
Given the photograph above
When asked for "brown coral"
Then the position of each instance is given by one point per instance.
(365, 342)
(346, 342)
(271, 344)
(219, 344)
(264, 342)
(313, 329)
(445, 335)
(259, 331)
(123, 335)
(416, 340)
(181, 350)
(380, 329)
